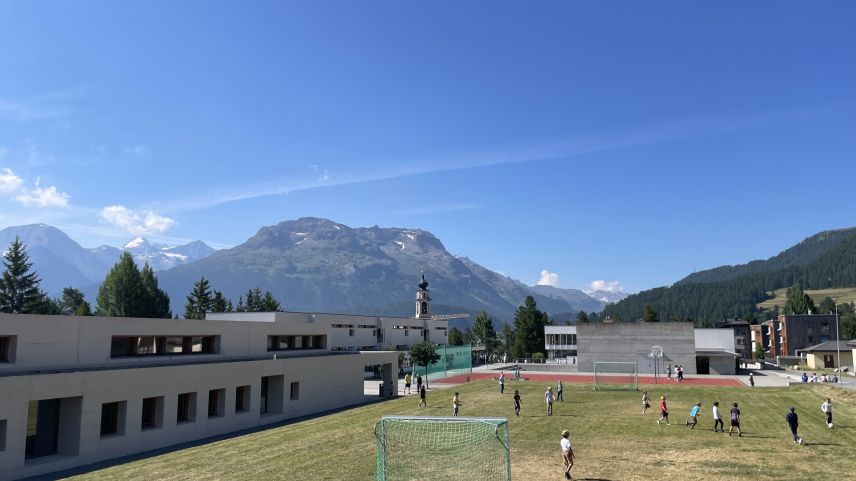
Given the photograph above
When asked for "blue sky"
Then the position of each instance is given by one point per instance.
(628, 142)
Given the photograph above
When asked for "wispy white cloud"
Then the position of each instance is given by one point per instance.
(13, 186)
(563, 150)
(321, 175)
(605, 286)
(43, 197)
(438, 209)
(548, 279)
(136, 223)
(10, 183)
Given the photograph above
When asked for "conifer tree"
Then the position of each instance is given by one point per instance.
(121, 293)
(128, 292)
(156, 301)
(454, 338)
(220, 303)
(73, 303)
(529, 325)
(19, 288)
(649, 314)
(269, 303)
(199, 301)
(483, 332)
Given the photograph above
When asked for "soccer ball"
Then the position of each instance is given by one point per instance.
(830, 425)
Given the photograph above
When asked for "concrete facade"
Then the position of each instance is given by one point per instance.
(560, 342)
(102, 387)
(715, 351)
(632, 342)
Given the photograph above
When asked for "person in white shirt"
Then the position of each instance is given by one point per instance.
(826, 407)
(717, 418)
(548, 398)
(567, 453)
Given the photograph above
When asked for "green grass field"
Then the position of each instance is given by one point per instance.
(611, 438)
(842, 295)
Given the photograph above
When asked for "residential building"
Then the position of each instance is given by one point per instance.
(789, 333)
(825, 355)
(742, 336)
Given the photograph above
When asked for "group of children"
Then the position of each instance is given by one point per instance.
(679, 372)
(823, 378)
(718, 425)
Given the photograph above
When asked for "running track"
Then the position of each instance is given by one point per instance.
(588, 379)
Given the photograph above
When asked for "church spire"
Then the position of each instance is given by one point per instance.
(423, 300)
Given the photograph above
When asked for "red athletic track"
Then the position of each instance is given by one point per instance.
(588, 378)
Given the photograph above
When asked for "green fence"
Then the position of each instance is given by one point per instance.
(454, 360)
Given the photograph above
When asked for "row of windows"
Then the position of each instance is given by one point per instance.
(129, 346)
(416, 328)
(287, 343)
(46, 425)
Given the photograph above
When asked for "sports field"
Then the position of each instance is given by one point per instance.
(611, 438)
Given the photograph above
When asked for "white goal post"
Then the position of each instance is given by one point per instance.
(429, 448)
(616, 376)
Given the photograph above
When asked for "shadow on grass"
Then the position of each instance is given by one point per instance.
(823, 444)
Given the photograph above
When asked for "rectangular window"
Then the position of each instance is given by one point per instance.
(43, 419)
(271, 394)
(2, 435)
(6, 345)
(242, 399)
(351, 332)
(113, 418)
(298, 342)
(295, 391)
(186, 409)
(123, 346)
(152, 417)
(216, 398)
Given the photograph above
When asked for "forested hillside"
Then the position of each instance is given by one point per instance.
(825, 260)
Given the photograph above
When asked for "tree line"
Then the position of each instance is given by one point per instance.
(739, 297)
(127, 291)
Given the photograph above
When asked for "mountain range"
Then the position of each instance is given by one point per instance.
(313, 264)
(61, 262)
(824, 260)
(309, 264)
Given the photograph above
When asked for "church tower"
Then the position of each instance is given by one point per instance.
(423, 300)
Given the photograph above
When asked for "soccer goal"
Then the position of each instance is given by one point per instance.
(616, 376)
(442, 448)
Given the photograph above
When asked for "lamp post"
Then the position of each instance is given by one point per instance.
(838, 345)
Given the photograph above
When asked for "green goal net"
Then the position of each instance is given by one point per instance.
(616, 376)
(442, 449)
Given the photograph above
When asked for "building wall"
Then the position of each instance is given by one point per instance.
(560, 341)
(802, 331)
(68, 357)
(715, 339)
(722, 365)
(632, 342)
(814, 360)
